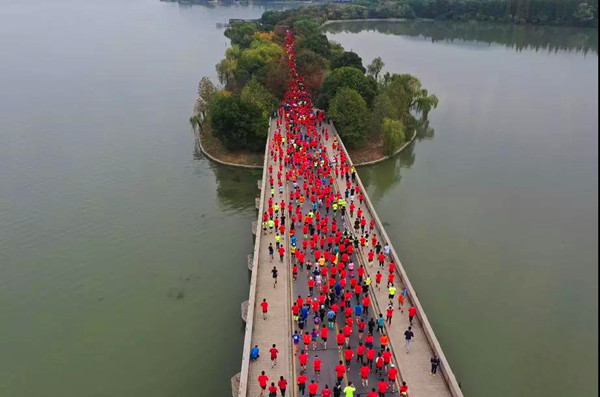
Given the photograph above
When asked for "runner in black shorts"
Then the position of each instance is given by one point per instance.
(274, 272)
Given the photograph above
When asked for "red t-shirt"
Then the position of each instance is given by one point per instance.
(412, 311)
(272, 389)
(317, 364)
(340, 369)
(340, 338)
(264, 306)
(392, 373)
(282, 384)
(303, 358)
(312, 388)
(373, 394)
(403, 389)
(364, 372)
(302, 379)
(348, 354)
(262, 380)
(274, 352)
(382, 386)
(326, 392)
(387, 357)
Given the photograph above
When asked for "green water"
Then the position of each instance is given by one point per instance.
(494, 211)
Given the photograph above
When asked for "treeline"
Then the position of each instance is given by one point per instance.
(363, 102)
(557, 12)
(550, 38)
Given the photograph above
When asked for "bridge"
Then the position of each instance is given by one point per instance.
(319, 212)
(414, 367)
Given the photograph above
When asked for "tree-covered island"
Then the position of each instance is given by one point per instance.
(373, 110)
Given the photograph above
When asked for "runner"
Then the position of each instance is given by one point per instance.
(274, 273)
(282, 384)
(274, 353)
(301, 381)
(408, 335)
(265, 307)
(435, 361)
(262, 381)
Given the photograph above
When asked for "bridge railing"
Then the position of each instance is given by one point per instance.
(243, 389)
(411, 293)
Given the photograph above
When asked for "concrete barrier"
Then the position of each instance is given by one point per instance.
(412, 295)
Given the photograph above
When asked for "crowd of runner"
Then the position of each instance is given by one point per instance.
(315, 205)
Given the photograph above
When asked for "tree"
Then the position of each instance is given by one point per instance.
(349, 111)
(257, 94)
(347, 77)
(348, 58)
(276, 76)
(241, 33)
(375, 67)
(383, 107)
(237, 124)
(392, 132)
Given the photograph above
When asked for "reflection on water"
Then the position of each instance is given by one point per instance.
(236, 187)
(383, 181)
(519, 37)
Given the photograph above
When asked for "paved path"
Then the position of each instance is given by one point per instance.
(276, 329)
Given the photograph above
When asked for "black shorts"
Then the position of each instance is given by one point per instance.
(263, 387)
(324, 339)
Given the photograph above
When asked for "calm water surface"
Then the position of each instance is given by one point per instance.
(494, 210)
(122, 255)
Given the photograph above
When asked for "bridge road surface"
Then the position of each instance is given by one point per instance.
(276, 328)
(330, 357)
(415, 366)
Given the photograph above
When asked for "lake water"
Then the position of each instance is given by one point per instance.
(123, 253)
(494, 212)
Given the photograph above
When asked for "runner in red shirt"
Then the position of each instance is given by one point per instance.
(282, 385)
(317, 366)
(326, 392)
(392, 374)
(382, 387)
(324, 332)
(348, 354)
(272, 390)
(411, 314)
(404, 389)
(340, 370)
(378, 277)
(301, 381)
(274, 353)
(303, 359)
(265, 307)
(364, 375)
(341, 339)
(262, 381)
(370, 357)
(373, 393)
(313, 387)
